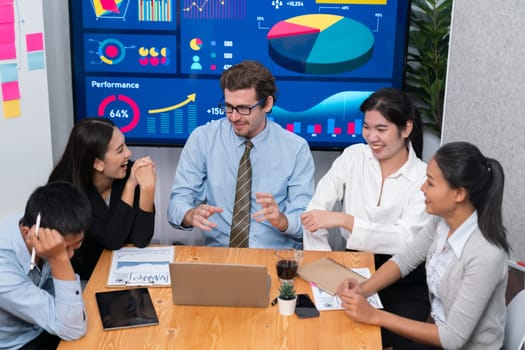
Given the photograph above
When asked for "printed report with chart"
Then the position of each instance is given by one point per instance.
(131, 266)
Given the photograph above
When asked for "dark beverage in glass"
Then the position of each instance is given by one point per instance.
(287, 269)
(287, 261)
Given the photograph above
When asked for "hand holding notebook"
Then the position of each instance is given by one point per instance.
(324, 301)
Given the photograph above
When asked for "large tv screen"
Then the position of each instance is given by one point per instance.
(153, 66)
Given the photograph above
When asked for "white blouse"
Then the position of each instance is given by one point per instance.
(442, 256)
(355, 179)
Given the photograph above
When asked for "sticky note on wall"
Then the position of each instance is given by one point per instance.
(35, 42)
(11, 109)
(7, 51)
(7, 14)
(8, 72)
(10, 91)
(36, 60)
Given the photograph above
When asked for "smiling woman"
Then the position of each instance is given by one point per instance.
(383, 207)
(466, 258)
(121, 191)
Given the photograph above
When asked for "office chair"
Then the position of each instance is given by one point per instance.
(515, 327)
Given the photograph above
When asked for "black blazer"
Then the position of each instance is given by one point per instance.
(113, 227)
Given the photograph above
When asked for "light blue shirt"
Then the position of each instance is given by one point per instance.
(282, 165)
(32, 301)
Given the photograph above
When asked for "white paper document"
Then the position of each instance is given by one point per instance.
(324, 301)
(147, 266)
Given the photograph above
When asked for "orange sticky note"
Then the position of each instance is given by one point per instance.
(11, 109)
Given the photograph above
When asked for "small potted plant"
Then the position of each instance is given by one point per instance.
(287, 299)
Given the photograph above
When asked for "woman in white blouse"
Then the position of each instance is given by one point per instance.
(383, 208)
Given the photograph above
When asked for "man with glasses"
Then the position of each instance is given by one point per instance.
(282, 168)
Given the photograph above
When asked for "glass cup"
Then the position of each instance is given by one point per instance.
(287, 262)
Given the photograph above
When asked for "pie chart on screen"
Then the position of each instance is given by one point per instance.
(196, 44)
(320, 44)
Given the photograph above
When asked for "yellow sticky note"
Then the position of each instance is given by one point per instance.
(11, 109)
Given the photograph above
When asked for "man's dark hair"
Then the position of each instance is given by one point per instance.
(250, 74)
(62, 207)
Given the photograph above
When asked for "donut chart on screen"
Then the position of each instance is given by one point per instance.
(122, 110)
(320, 44)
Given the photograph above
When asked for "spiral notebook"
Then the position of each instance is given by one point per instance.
(327, 274)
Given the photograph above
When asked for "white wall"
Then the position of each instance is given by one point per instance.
(25, 141)
(485, 103)
(59, 72)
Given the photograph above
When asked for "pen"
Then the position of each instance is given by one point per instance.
(139, 284)
(33, 252)
(274, 301)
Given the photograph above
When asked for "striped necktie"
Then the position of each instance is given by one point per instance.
(240, 228)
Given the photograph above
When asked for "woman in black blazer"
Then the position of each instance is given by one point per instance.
(121, 191)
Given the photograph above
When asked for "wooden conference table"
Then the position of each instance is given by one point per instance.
(207, 327)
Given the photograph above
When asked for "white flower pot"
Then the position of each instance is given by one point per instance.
(286, 307)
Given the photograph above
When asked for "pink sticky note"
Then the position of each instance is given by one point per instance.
(10, 91)
(34, 42)
(7, 32)
(7, 51)
(7, 14)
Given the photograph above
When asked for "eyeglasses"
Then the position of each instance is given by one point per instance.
(242, 110)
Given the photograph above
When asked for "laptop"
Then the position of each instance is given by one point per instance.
(220, 284)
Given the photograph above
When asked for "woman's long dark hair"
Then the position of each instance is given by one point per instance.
(396, 106)
(88, 140)
(463, 165)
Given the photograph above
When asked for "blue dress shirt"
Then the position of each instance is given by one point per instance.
(282, 165)
(32, 301)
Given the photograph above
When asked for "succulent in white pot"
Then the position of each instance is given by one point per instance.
(287, 299)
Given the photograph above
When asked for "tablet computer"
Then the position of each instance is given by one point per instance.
(126, 308)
